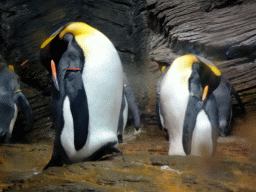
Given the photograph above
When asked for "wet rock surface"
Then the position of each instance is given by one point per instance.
(144, 165)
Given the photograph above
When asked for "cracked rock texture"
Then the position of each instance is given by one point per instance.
(220, 30)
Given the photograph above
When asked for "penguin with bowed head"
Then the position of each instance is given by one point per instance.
(11, 96)
(86, 98)
(223, 95)
(188, 105)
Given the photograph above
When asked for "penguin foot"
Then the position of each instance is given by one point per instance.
(137, 128)
(5, 139)
(108, 149)
(120, 138)
(52, 163)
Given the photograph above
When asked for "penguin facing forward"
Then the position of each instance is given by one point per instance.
(11, 96)
(87, 93)
(128, 100)
(190, 109)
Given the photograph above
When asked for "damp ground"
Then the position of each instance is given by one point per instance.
(144, 165)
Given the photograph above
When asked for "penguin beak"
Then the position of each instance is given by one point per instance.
(54, 75)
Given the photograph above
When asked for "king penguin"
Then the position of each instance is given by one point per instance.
(190, 109)
(195, 102)
(86, 98)
(11, 97)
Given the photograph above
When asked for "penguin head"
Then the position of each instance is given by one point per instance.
(209, 77)
(62, 52)
(201, 76)
(52, 49)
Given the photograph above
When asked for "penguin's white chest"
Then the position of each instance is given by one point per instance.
(174, 98)
(103, 82)
(202, 136)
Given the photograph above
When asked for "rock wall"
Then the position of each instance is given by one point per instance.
(220, 30)
(143, 31)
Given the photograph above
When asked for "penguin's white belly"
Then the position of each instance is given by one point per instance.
(95, 140)
(103, 82)
(174, 99)
(202, 144)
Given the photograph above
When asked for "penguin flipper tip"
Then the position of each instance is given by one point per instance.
(137, 128)
(53, 163)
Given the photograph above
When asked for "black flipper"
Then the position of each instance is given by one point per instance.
(79, 107)
(120, 128)
(22, 102)
(194, 106)
(132, 103)
(158, 112)
(211, 110)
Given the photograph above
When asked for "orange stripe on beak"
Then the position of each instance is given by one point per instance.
(24, 63)
(205, 92)
(54, 73)
(74, 69)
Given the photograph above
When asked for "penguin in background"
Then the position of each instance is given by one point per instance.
(223, 95)
(11, 97)
(128, 100)
(189, 91)
(159, 111)
(87, 93)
